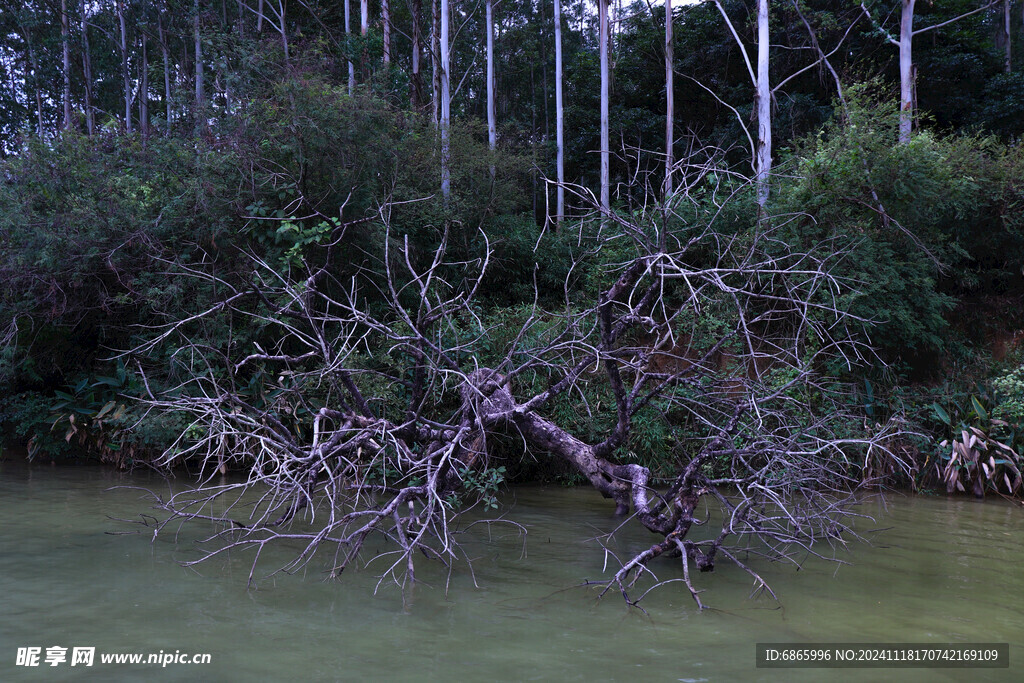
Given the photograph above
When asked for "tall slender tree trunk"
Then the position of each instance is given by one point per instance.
(559, 120)
(165, 53)
(33, 66)
(416, 9)
(385, 18)
(200, 97)
(259, 16)
(906, 70)
(446, 177)
(124, 68)
(603, 38)
(348, 36)
(66, 49)
(435, 60)
(90, 116)
(1008, 63)
(364, 28)
(669, 99)
(492, 126)
(764, 107)
(144, 90)
(282, 10)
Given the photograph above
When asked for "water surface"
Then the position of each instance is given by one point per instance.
(946, 571)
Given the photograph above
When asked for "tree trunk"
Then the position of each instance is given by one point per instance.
(906, 70)
(669, 99)
(200, 99)
(445, 104)
(364, 28)
(605, 147)
(559, 120)
(764, 107)
(124, 69)
(259, 16)
(492, 127)
(351, 66)
(90, 117)
(66, 49)
(284, 28)
(144, 90)
(385, 17)
(416, 9)
(1008, 64)
(435, 59)
(165, 52)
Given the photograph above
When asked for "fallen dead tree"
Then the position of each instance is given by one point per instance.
(355, 447)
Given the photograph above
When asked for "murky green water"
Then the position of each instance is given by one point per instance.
(947, 571)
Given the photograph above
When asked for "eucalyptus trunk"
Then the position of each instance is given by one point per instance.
(200, 98)
(385, 17)
(764, 107)
(144, 90)
(90, 116)
(351, 66)
(416, 9)
(124, 69)
(605, 94)
(559, 120)
(669, 99)
(66, 49)
(446, 178)
(165, 53)
(492, 126)
(906, 70)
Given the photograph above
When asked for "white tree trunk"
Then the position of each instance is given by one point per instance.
(167, 70)
(385, 17)
(669, 99)
(66, 47)
(416, 7)
(124, 69)
(492, 125)
(200, 101)
(445, 104)
(144, 90)
(1006, 35)
(90, 117)
(605, 87)
(559, 119)
(764, 107)
(351, 66)
(906, 70)
(435, 61)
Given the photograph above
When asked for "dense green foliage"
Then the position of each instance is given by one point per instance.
(100, 231)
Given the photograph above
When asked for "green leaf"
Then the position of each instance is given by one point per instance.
(979, 409)
(941, 413)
